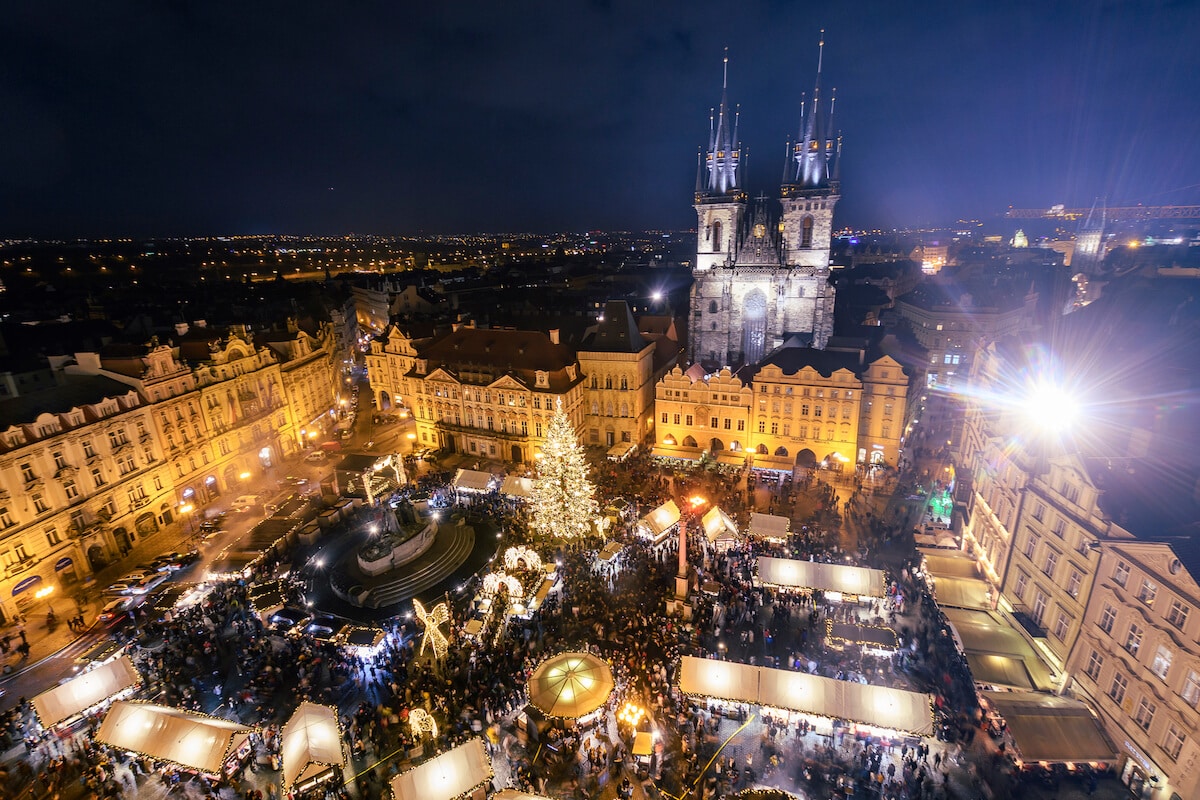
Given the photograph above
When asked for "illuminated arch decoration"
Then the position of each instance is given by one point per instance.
(433, 620)
(515, 556)
(494, 580)
(420, 720)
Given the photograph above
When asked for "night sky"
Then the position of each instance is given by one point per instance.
(161, 118)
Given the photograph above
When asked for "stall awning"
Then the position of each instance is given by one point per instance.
(949, 563)
(961, 592)
(997, 670)
(610, 551)
(736, 458)
(692, 454)
(717, 524)
(660, 520)
(84, 691)
(794, 574)
(988, 633)
(621, 450)
(769, 527)
(473, 480)
(516, 486)
(775, 463)
(455, 772)
(1047, 727)
(310, 744)
(171, 734)
(881, 706)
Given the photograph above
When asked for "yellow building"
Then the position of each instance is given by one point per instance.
(800, 406)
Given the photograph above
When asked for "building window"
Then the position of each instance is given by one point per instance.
(1191, 688)
(728, 423)
(1173, 742)
(664, 418)
(688, 420)
(762, 426)
(6, 520)
(88, 450)
(1162, 661)
(1051, 563)
(1107, 617)
(1148, 591)
(39, 504)
(676, 418)
(1071, 493)
(1095, 662)
(1060, 626)
(1074, 583)
(1021, 585)
(27, 473)
(1133, 641)
(52, 536)
(1145, 713)
(1177, 615)
(741, 426)
(1039, 512)
(804, 409)
(774, 428)
(98, 477)
(71, 490)
(1116, 689)
(1121, 573)
(1030, 546)
(1039, 607)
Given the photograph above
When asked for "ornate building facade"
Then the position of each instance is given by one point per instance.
(762, 273)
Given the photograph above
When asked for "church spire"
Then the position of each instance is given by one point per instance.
(814, 151)
(724, 150)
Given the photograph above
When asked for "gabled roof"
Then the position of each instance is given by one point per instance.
(616, 333)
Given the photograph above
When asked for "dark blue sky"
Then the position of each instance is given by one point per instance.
(178, 118)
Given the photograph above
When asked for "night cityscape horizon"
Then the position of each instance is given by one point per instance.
(377, 422)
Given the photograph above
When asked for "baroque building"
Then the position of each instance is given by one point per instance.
(762, 271)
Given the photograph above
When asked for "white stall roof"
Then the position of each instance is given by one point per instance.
(310, 743)
(769, 526)
(621, 450)
(84, 691)
(661, 519)
(170, 734)
(474, 480)
(453, 773)
(723, 680)
(717, 523)
(516, 486)
(791, 573)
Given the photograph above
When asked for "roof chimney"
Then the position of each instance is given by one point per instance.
(554, 336)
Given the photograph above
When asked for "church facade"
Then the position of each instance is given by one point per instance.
(761, 274)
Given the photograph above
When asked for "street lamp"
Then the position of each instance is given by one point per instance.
(186, 509)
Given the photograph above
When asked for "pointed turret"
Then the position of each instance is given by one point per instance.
(723, 146)
(815, 153)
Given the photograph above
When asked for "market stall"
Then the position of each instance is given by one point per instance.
(517, 487)
(721, 680)
(720, 530)
(471, 480)
(839, 582)
(1050, 728)
(570, 685)
(610, 552)
(621, 451)
(452, 774)
(363, 641)
(311, 747)
(769, 527)
(659, 523)
(83, 692)
(197, 742)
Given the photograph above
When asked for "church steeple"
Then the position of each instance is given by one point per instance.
(815, 153)
(724, 149)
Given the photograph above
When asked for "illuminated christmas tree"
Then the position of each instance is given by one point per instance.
(563, 502)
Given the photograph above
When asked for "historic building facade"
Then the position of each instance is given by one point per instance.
(762, 271)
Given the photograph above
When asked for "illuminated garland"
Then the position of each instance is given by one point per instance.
(844, 641)
(513, 557)
(249, 730)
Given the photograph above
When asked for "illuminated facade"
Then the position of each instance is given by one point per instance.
(799, 406)
(761, 275)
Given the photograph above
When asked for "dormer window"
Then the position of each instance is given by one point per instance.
(422, 366)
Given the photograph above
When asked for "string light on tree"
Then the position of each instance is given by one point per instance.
(564, 500)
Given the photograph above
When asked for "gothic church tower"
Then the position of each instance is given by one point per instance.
(761, 273)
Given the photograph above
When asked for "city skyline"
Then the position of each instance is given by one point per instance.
(173, 122)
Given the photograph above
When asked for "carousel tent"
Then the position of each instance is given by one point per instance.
(794, 574)
(473, 480)
(310, 744)
(769, 527)
(658, 522)
(84, 691)
(718, 525)
(1047, 727)
(452, 774)
(169, 734)
(570, 685)
(516, 486)
(723, 680)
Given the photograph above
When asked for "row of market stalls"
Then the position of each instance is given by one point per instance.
(719, 527)
(1015, 686)
(879, 707)
(310, 744)
(838, 582)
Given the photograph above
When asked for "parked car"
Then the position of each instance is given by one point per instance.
(176, 561)
(294, 480)
(316, 456)
(287, 619)
(114, 611)
(245, 503)
(122, 587)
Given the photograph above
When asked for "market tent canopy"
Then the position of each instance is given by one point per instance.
(84, 691)
(169, 734)
(769, 526)
(660, 520)
(735, 458)
(981, 633)
(961, 592)
(794, 574)
(717, 524)
(610, 551)
(996, 670)
(723, 680)
(516, 486)
(621, 450)
(692, 454)
(881, 706)
(1047, 727)
(455, 772)
(941, 540)
(310, 743)
(473, 480)
(776, 463)
(570, 685)
(949, 563)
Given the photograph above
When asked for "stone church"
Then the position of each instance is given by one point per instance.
(762, 267)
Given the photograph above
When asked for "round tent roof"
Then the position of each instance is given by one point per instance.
(570, 685)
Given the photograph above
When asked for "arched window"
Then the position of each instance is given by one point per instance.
(716, 237)
(624, 382)
(712, 306)
(806, 230)
(608, 381)
(595, 408)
